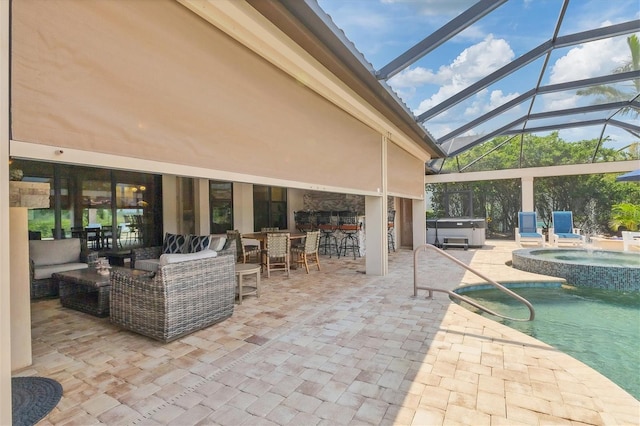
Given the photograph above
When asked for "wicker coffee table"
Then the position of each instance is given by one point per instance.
(84, 290)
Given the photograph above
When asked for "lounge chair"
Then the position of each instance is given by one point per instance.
(630, 240)
(527, 230)
(563, 231)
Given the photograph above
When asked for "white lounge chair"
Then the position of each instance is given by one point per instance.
(630, 240)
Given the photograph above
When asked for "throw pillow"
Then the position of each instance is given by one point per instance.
(197, 243)
(173, 243)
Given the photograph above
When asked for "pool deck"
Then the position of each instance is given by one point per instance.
(333, 347)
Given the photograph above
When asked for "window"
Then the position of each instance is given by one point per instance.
(221, 206)
(81, 196)
(269, 207)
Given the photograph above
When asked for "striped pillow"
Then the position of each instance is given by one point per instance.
(173, 243)
(197, 243)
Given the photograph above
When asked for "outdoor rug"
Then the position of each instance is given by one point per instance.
(32, 398)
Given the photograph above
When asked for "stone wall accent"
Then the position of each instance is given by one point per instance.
(316, 200)
(34, 195)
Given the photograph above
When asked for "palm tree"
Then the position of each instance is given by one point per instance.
(607, 93)
(626, 215)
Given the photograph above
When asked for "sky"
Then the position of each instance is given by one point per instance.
(383, 29)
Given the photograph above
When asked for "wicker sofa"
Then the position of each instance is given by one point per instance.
(49, 256)
(176, 300)
(148, 258)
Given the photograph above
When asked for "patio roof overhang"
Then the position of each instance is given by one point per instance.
(304, 23)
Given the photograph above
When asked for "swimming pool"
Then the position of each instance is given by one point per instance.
(598, 327)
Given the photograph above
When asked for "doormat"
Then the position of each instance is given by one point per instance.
(32, 398)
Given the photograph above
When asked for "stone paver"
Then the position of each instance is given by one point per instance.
(332, 347)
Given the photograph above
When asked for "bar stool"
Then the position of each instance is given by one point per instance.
(350, 227)
(391, 221)
(328, 240)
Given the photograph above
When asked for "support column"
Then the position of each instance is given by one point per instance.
(201, 191)
(169, 204)
(376, 259)
(243, 217)
(419, 208)
(5, 292)
(20, 289)
(527, 193)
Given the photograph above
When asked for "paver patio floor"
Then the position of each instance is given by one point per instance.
(333, 347)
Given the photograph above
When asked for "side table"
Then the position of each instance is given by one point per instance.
(243, 269)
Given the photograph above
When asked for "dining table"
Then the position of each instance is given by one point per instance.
(262, 236)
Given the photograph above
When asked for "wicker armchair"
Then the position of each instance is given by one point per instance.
(179, 299)
(47, 257)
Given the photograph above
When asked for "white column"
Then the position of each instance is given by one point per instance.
(169, 204)
(202, 222)
(243, 207)
(527, 193)
(20, 289)
(376, 259)
(295, 202)
(5, 247)
(419, 208)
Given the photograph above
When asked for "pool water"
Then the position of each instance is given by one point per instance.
(598, 327)
(591, 257)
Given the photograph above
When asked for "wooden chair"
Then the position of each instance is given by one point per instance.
(244, 251)
(309, 252)
(277, 253)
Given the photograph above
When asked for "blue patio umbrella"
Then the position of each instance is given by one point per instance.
(628, 177)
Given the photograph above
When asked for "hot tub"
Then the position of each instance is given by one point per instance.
(456, 230)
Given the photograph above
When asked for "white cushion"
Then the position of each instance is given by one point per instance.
(54, 252)
(217, 242)
(165, 259)
(45, 271)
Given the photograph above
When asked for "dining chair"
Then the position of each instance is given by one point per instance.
(93, 237)
(308, 253)
(245, 251)
(107, 236)
(277, 253)
(272, 229)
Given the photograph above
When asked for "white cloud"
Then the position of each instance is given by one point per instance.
(587, 60)
(436, 7)
(482, 105)
(590, 60)
(471, 64)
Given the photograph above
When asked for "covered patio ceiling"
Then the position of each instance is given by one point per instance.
(467, 72)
